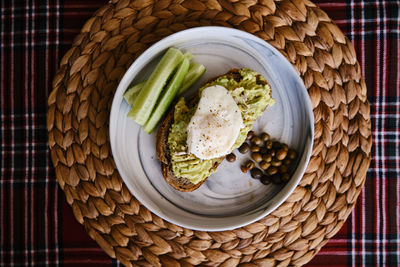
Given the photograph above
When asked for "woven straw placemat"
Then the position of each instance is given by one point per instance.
(79, 109)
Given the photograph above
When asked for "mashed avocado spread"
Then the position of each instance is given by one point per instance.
(252, 95)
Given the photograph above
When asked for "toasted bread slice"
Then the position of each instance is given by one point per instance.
(183, 184)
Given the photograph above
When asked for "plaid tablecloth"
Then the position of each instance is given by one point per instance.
(37, 226)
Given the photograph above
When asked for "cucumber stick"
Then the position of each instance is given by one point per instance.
(188, 55)
(168, 96)
(147, 98)
(132, 92)
(196, 70)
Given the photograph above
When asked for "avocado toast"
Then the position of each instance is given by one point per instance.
(183, 170)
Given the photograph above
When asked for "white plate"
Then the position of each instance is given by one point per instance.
(229, 198)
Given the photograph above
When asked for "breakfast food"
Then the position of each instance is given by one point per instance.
(196, 135)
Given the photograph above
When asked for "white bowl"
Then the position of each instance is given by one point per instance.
(229, 198)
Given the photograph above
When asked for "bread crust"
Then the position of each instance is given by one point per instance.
(162, 151)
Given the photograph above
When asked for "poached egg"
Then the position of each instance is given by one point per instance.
(215, 125)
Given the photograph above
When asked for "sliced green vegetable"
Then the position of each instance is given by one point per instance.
(168, 96)
(188, 55)
(147, 98)
(196, 70)
(132, 92)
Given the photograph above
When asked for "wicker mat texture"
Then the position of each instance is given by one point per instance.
(78, 114)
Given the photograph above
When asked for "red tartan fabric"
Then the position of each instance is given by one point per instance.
(37, 227)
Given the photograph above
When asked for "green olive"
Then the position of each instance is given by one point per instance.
(256, 140)
(256, 173)
(256, 156)
(265, 137)
(264, 165)
(231, 157)
(244, 148)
